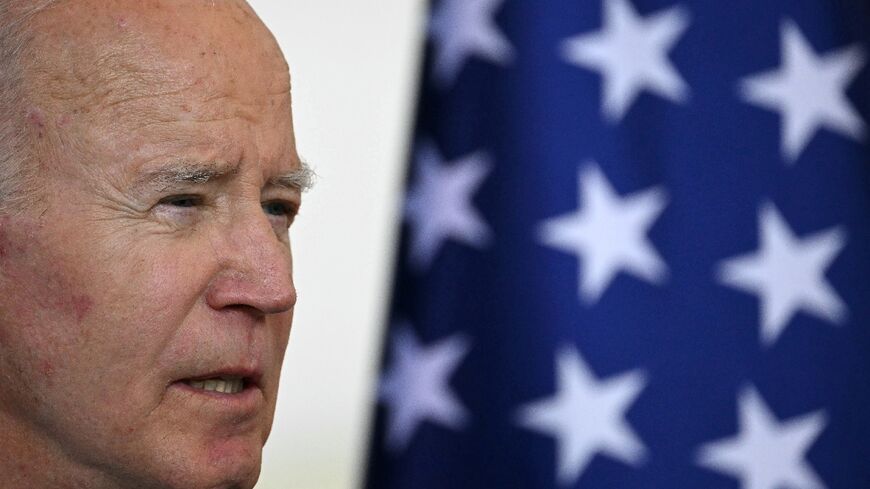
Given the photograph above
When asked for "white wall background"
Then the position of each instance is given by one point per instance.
(354, 69)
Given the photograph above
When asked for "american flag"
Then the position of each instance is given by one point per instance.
(635, 250)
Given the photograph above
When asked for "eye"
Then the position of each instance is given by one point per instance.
(276, 208)
(184, 201)
(281, 211)
(180, 210)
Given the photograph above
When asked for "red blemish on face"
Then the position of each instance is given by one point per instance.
(81, 305)
(63, 120)
(46, 368)
(122, 23)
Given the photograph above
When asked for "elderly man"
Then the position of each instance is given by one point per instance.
(148, 178)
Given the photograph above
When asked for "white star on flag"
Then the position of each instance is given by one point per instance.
(586, 416)
(767, 454)
(439, 206)
(631, 53)
(608, 233)
(462, 28)
(809, 91)
(787, 274)
(416, 386)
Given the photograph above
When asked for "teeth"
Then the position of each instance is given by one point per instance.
(224, 385)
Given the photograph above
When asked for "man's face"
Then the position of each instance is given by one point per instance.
(156, 255)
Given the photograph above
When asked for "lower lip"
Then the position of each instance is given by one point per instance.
(249, 400)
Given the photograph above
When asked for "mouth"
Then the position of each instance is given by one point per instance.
(224, 383)
(234, 394)
(221, 385)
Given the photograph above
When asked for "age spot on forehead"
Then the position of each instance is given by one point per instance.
(36, 118)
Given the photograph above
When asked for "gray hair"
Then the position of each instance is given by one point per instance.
(16, 175)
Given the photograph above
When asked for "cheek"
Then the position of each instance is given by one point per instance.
(45, 308)
(80, 335)
(43, 304)
(71, 312)
(37, 280)
(159, 296)
(48, 299)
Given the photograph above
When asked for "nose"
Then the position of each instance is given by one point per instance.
(256, 268)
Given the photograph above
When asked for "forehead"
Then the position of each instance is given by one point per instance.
(145, 77)
(82, 43)
(106, 52)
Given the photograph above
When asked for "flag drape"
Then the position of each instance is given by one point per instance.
(635, 250)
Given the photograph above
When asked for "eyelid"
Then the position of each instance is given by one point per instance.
(292, 208)
(288, 213)
(198, 199)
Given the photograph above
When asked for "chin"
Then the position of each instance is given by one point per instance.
(232, 463)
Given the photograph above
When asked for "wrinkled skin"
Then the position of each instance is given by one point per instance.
(114, 287)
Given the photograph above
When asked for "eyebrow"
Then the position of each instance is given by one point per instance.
(198, 173)
(184, 172)
(300, 179)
